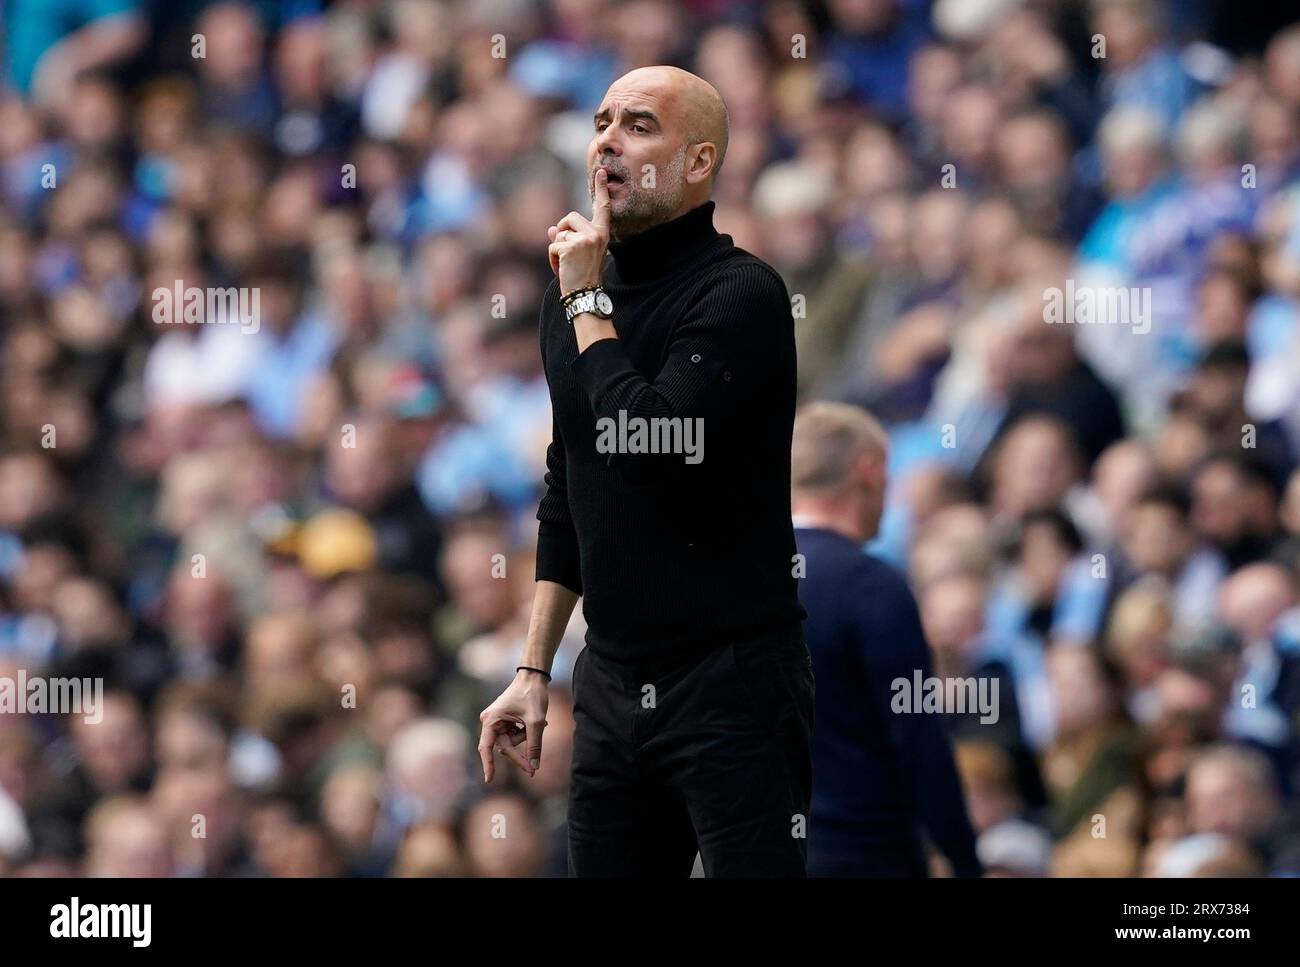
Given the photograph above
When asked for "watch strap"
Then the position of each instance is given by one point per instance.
(582, 300)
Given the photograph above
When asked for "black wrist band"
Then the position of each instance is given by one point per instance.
(527, 668)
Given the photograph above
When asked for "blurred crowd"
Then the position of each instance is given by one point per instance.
(301, 557)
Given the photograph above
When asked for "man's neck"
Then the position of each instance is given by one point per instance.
(842, 521)
(655, 251)
(623, 233)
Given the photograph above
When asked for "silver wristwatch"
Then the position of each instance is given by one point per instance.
(594, 300)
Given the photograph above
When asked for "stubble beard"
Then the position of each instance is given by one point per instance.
(641, 208)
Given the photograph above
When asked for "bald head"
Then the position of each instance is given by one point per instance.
(661, 133)
(703, 115)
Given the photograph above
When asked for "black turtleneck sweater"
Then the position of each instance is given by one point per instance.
(668, 554)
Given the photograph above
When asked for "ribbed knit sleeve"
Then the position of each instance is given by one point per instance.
(736, 306)
(557, 541)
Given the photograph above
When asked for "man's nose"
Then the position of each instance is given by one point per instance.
(607, 142)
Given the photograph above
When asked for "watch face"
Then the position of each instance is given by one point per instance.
(604, 304)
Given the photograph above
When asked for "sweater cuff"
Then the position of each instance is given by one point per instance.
(599, 366)
(557, 556)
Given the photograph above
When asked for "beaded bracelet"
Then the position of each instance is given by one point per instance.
(579, 291)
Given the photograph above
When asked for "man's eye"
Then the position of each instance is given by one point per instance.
(640, 129)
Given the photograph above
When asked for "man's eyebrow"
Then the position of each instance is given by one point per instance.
(642, 114)
(636, 114)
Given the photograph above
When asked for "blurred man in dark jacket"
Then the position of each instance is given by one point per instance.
(880, 777)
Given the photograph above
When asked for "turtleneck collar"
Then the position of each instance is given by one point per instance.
(652, 253)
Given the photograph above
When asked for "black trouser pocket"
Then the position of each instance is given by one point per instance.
(775, 679)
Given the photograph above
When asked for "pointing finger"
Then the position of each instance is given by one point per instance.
(600, 201)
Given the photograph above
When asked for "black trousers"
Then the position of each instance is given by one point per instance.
(710, 753)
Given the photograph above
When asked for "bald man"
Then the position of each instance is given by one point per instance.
(670, 358)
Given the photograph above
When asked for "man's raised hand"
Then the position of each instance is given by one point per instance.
(578, 245)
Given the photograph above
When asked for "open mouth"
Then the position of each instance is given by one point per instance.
(612, 179)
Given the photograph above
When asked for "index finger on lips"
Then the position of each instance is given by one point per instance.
(600, 201)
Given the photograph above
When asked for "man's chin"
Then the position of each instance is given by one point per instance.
(621, 221)
(628, 219)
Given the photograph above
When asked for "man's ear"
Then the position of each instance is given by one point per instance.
(870, 467)
(700, 161)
